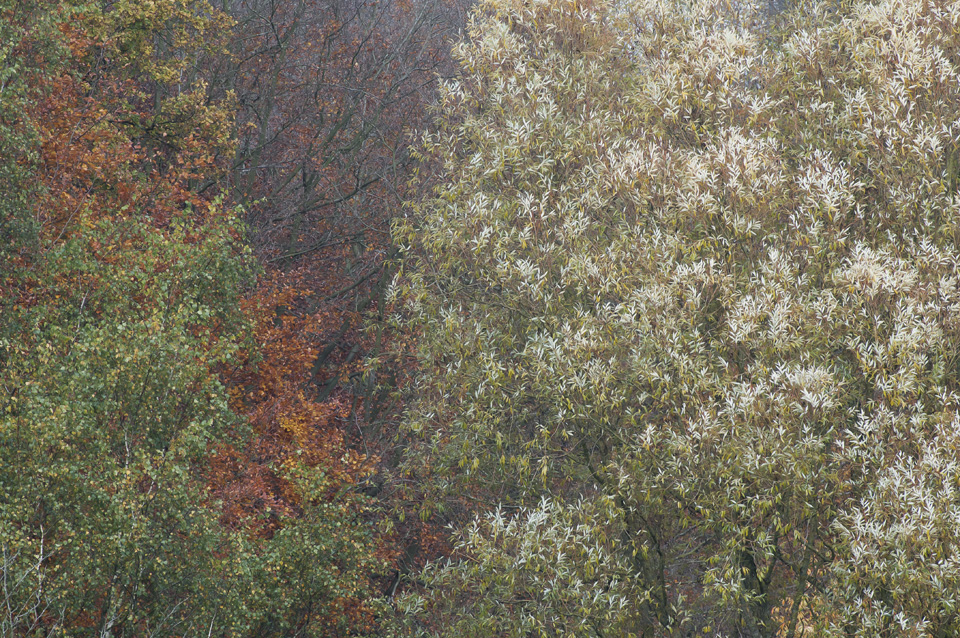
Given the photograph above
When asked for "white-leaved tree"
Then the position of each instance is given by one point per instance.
(688, 309)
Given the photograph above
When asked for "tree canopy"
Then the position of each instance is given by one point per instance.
(654, 303)
(688, 304)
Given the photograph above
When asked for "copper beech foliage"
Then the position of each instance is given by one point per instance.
(275, 391)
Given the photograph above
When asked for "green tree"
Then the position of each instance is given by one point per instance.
(694, 267)
(111, 407)
(109, 403)
(27, 49)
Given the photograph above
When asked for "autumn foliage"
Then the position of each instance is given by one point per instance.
(275, 391)
(195, 212)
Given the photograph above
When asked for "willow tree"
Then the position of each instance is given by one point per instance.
(690, 321)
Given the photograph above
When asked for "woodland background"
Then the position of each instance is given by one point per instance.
(528, 318)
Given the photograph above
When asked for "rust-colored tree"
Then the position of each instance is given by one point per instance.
(329, 94)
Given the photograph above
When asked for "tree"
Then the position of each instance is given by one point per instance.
(328, 94)
(123, 314)
(17, 136)
(694, 267)
(109, 402)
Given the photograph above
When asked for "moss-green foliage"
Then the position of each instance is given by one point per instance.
(23, 29)
(109, 403)
(111, 406)
(700, 267)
